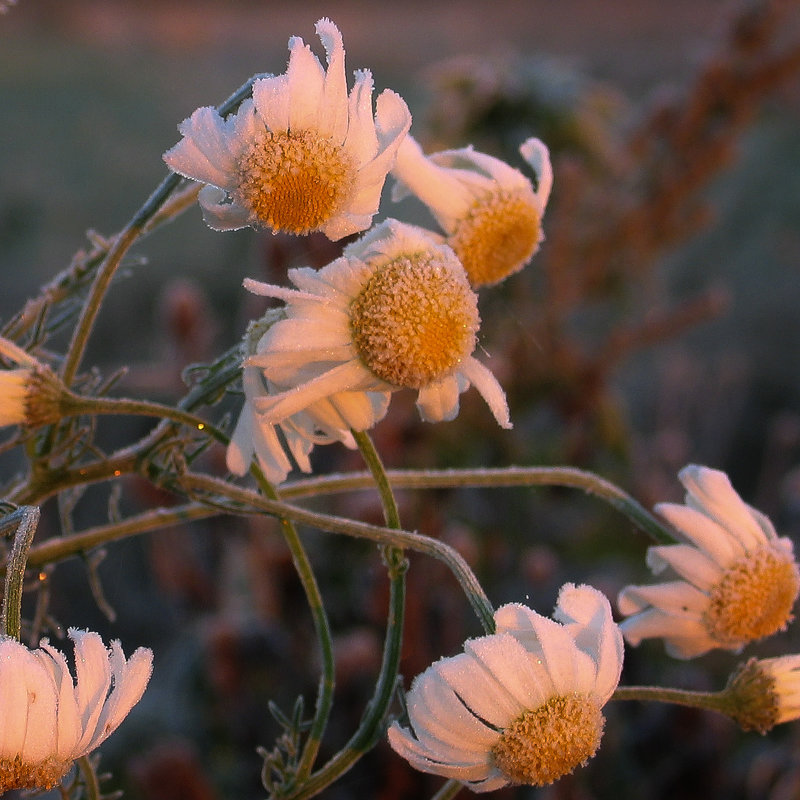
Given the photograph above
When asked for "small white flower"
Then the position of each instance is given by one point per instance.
(784, 674)
(47, 720)
(490, 212)
(394, 311)
(301, 155)
(738, 579)
(522, 705)
(31, 394)
(328, 420)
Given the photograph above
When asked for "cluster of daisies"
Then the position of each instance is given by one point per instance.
(398, 310)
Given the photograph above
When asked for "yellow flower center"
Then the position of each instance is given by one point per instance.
(294, 181)
(542, 745)
(497, 237)
(754, 598)
(18, 774)
(415, 319)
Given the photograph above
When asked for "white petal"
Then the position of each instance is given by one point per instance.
(683, 637)
(362, 139)
(675, 597)
(489, 389)
(689, 562)
(204, 154)
(333, 107)
(130, 680)
(93, 681)
(15, 660)
(240, 449)
(703, 532)
(271, 99)
(70, 728)
(535, 152)
(711, 492)
(219, 214)
(305, 77)
(438, 400)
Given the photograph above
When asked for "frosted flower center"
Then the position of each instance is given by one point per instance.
(18, 774)
(542, 745)
(497, 237)
(754, 598)
(415, 320)
(294, 181)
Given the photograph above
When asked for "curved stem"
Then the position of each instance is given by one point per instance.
(11, 614)
(493, 478)
(305, 573)
(712, 701)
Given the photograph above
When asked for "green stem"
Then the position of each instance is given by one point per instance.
(324, 701)
(710, 701)
(379, 479)
(245, 501)
(90, 782)
(493, 478)
(449, 790)
(11, 614)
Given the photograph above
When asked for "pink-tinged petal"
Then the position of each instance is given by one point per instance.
(421, 758)
(93, 681)
(438, 188)
(710, 491)
(536, 153)
(438, 400)
(204, 154)
(683, 637)
(347, 224)
(131, 677)
(69, 726)
(271, 99)
(333, 107)
(41, 724)
(241, 448)
(220, 214)
(519, 683)
(586, 615)
(488, 388)
(675, 597)
(702, 532)
(300, 447)
(350, 376)
(15, 660)
(392, 121)
(305, 80)
(441, 721)
(361, 410)
(362, 139)
(690, 563)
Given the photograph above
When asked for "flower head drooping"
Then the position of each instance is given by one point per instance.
(324, 421)
(30, 394)
(301, 155)
(490, 212)
(49, 720)
(395, 311)
(739, 580)
(523, 705)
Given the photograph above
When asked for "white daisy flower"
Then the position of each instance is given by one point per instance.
(738, 579)
(490, 212)
(394, 311)
(49, 720)
(783, 674)
(522, 705)
(301, 155)
(327, 420)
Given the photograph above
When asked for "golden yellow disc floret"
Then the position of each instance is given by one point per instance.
(294, 181)
(754, 597)
(18, 774)
(415, 319)
(543, 745)
(497, 237)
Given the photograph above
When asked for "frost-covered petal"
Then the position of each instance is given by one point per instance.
(690, 563)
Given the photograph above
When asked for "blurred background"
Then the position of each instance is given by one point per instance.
(657, 326)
